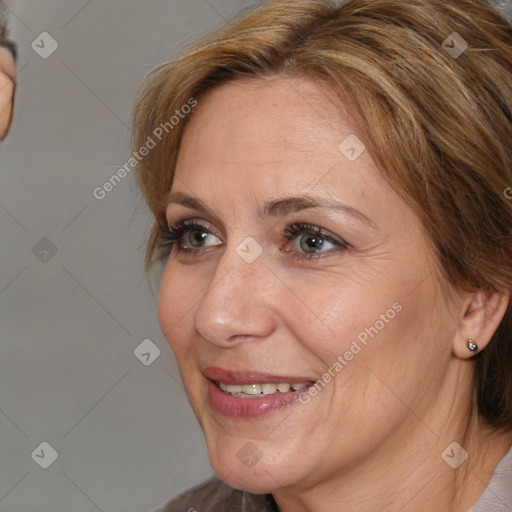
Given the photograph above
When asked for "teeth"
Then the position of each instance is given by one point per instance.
(254, 390)
(268, 389)
(251, 389)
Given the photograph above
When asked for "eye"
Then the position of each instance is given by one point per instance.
(187, 236)
(310, 242)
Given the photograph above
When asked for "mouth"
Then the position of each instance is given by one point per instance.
(246, 394)
(260, 390)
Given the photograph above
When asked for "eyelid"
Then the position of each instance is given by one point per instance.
(192, 221)
(290, 222)
(294, 228)
(291, 232)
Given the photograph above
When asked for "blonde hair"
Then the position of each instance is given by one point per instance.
(438, 125)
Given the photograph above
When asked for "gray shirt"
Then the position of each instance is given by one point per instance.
(498, 495)
(214, 496)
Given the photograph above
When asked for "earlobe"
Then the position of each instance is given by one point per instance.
(482, 313)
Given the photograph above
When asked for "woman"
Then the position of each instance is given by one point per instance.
(7, 74)
(328, 186)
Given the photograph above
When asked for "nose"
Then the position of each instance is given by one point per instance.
(238, 304)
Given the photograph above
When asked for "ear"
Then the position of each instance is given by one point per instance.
(481, 314)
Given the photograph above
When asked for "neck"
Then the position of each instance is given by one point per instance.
(409, 471)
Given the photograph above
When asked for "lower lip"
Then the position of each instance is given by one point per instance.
(236, 407)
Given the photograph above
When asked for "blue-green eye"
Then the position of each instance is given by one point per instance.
(191, 237)
(187, 236)
(311, 241)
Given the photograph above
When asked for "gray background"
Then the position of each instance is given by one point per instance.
(69, 322)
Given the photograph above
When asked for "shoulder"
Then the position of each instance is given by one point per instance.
(498, 495)
(213, 495)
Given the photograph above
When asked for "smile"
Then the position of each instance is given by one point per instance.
(252, 394)
(258, 390)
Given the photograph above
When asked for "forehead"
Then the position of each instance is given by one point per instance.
(280, 126)
(277, 112)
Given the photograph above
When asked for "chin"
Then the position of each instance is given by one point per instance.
(261, 478)
(250, 480)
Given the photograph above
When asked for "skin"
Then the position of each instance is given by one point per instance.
(7, 87)
(372, 438)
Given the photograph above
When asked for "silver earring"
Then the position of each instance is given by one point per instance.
(472, 346)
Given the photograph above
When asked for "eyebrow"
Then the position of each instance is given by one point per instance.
(278, 207)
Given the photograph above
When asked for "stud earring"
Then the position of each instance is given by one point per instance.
(472, 346)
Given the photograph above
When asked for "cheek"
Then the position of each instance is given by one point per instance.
(338, 316)
(393, 356)
(354, 330)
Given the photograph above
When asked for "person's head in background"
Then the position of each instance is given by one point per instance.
(396, 305)
(7, 75)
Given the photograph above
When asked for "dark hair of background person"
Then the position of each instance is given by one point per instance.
(3, 22)
(439, 128)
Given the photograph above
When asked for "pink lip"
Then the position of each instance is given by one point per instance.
(249, 377)
(235, 407)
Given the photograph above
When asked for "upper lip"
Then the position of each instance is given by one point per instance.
(232, 377)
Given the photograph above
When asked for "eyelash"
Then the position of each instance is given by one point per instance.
(175, 233)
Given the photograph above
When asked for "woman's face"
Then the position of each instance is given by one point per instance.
(355, 306)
